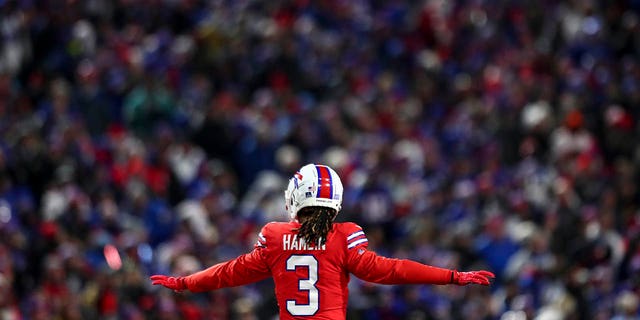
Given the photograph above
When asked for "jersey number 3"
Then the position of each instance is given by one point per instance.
(305, 261)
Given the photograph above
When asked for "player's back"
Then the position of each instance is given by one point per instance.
(310, 281)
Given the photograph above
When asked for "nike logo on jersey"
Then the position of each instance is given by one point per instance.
(292, 242)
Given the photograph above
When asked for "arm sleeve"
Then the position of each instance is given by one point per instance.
(247, 268)
(369, 266)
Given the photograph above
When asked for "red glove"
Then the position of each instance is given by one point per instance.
(175, 283)
(477, 277)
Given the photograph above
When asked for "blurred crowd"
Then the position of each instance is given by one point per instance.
(142, 137)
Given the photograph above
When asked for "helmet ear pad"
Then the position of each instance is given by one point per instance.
(313, 185)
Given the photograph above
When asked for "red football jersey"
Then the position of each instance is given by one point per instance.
(311, 281)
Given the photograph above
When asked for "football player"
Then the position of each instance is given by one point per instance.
(311, 258)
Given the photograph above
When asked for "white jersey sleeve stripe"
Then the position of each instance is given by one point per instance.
(355, 243)
(355, 234)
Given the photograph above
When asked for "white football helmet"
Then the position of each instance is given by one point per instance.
(313, 185)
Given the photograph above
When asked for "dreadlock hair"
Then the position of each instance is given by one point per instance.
(317, 222)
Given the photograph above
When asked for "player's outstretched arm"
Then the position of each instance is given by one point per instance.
(245, 269)
(371, 267)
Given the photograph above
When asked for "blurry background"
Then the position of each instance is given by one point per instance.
(142, 137)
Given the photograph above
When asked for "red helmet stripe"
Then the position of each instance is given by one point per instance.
(325, 185)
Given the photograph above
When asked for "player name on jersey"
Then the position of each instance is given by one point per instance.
(292, 242)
